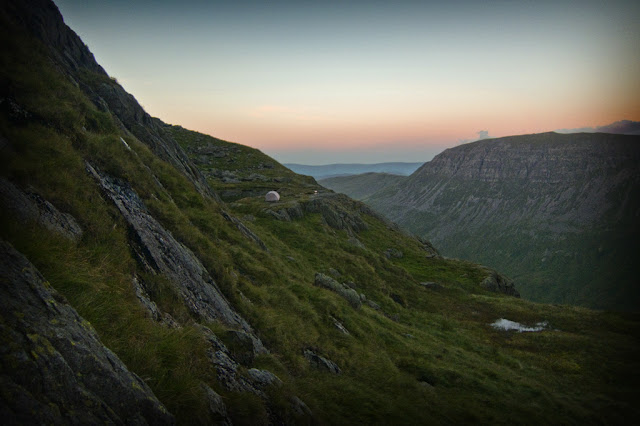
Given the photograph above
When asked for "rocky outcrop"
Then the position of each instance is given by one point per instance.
(498, 283)
(288, 212)
(262, 379)
(217, 408)
(349, 294)
(429, 248)
(393, 253)
(228, 370)
(244, 347)
(248, 233)
(338, 211)
(32, 207)
(54, 368)
(320, 362)
(159, 252)
(149, 130)
(150, 306)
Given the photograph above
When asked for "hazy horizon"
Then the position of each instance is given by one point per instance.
(368, 82)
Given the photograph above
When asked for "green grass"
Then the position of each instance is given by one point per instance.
(427, 357)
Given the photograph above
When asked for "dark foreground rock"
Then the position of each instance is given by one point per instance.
(28, 206)
(54, 369)
(320, 362)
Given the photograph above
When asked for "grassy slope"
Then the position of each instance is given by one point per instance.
(437, 362)
(361, 186)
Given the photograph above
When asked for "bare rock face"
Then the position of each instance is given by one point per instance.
(320, 362)
(32, 207)
(217, 408)
(228, 370)
(499, 284)
(161, 253)
(54, 369)
(250, 235)
(338, 211)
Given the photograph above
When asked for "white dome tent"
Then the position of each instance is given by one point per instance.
(272, 196)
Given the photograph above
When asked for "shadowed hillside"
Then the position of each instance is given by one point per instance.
(145, 280)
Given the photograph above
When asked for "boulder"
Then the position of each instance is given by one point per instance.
(393, 253)
(321, 363)
(498, 283)
(244, 346)
(350, 295)
(262, 379)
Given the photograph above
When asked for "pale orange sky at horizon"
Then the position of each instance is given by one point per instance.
(326, 82)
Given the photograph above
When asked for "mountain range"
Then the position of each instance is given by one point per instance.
(333, 170)
(558, 213)
(144, 279)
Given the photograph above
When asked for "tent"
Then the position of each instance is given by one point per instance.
(272, 196)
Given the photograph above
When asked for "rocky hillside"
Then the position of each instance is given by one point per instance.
(361, 186)
(558, 213)
(145, 280)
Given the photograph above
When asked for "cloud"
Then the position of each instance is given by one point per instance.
(483, 134)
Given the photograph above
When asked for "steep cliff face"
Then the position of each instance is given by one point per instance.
(42, 19)
(548, 209)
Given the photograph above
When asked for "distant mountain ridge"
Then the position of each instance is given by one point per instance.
(556, 212)
(332, 170)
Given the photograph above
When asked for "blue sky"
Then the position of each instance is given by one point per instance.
(365, 81)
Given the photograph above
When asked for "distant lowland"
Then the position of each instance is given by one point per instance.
(361, 186)
(558, 213)
(333, 170)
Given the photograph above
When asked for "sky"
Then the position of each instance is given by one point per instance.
(319, 82)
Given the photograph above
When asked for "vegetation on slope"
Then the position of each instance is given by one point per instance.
(359, 187)
(425, 355)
